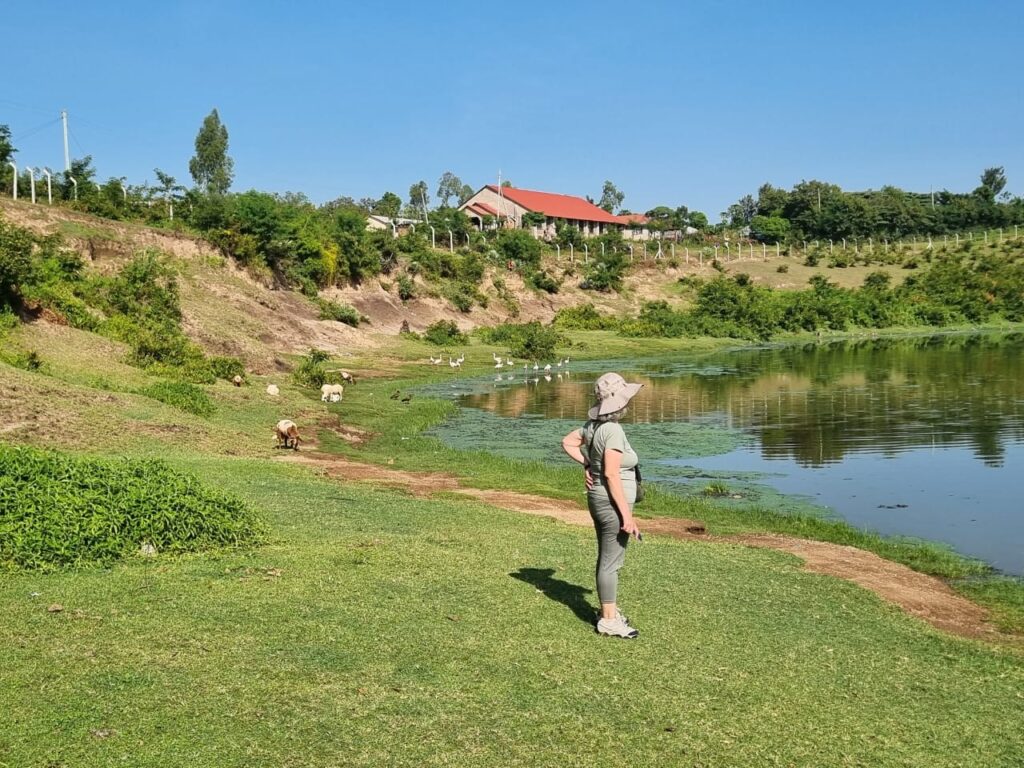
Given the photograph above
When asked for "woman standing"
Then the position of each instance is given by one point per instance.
(601, 447)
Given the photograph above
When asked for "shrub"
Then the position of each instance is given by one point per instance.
(584, 317)
(543, 281)
(310, 370)
(519, 246)
(58, 510)
(181, 395)
(782, 269)
(528, 340)
(342, 313)
(605, 273)
(227, 367)
(444, 333)
(406, 288)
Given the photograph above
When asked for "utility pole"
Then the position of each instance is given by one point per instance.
(67, 156)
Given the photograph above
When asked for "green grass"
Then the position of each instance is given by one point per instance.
(379, 629)
(58, 510)
(181, 394)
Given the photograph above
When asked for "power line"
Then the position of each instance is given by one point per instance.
(33, 131)
(25, 106)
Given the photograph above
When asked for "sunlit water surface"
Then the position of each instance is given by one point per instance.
(920, 437)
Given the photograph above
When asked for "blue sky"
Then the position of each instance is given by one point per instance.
(693, 103)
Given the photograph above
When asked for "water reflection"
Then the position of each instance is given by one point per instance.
(817, 404)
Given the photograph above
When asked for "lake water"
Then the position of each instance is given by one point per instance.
(920, 437)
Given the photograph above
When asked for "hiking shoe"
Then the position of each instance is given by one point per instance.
(618, 615)
(616, 627)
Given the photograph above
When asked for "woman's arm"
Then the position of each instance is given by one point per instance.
(571, 444)
(612, 464)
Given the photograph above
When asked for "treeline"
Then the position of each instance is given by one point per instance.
(818, 210)
(961, 286)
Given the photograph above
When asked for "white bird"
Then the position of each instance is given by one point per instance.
(454, 363)
(536, 367)
(559, 364)
(547, 367)
(547, 377)
(495, 356)
(510, 362)
(435, 362)
(499, 364)
(461, 358)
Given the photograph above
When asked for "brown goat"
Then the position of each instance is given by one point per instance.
(287, 434)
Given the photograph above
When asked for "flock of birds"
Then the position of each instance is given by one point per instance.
(509, 362)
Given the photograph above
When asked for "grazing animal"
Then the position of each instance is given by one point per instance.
(272, 390)
(407, 398)
(332, 393)
(394, 395)
(348, 377)
(237, 380)
(287, 434)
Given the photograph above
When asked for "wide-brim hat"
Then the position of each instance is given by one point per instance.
(613, 394)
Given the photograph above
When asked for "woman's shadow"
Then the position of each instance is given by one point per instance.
(570, 595)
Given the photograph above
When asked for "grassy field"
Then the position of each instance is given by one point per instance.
(380, 629)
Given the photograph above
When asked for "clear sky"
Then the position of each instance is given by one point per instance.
(694, 103)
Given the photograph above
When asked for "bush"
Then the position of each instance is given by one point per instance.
(181, 395)
(463, 296)
(519, 246)
(310, 370)
(605, 273)
(543, 281)
(444, 333)
(57, 510)
(227, 367)
(528, 340)
(406, 288)
(342, 313)
(584, 317)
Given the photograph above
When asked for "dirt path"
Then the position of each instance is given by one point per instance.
(926, 597)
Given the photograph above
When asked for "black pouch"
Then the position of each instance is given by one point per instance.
(639, 485)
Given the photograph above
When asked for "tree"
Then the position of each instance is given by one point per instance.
(7, 149)
(465, 193)
(740, 213)
(506, 183)
(992, 182)
(611, 198)
(419, 197)
(698, 220)
(389, 205)
(769, 229)
(169, 188)
(211, 168)
(448, 187)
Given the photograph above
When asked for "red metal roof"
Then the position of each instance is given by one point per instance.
(632, 218)
(556, 206)
(481, 207)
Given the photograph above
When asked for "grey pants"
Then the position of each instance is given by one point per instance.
(611, 540)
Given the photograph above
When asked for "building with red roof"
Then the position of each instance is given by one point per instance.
(508, 206)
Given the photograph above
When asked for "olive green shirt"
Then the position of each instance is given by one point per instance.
(598, 436)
